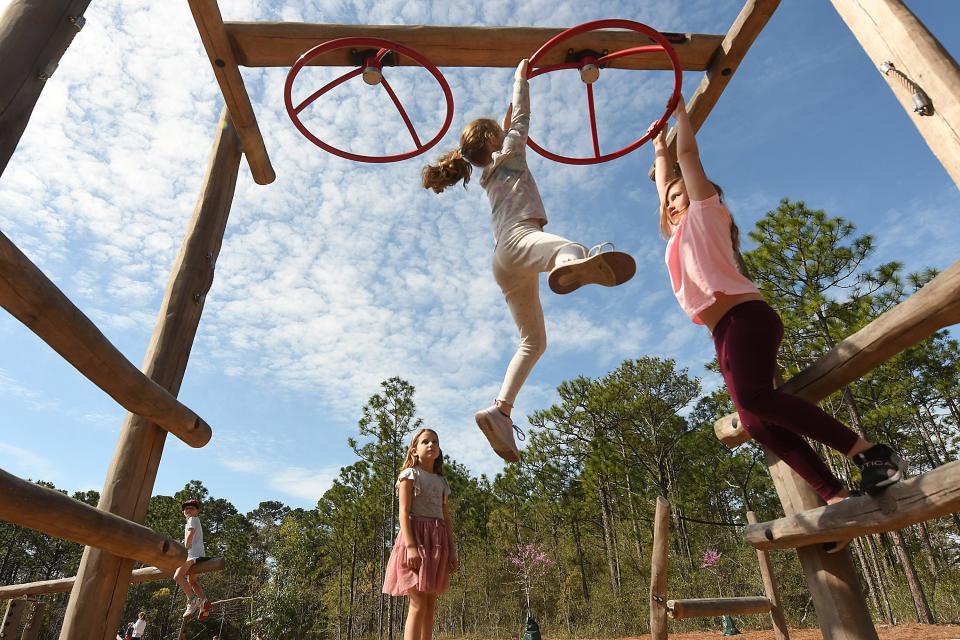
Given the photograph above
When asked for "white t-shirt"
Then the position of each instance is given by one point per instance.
(196, 547)
(138, 627)
(507, 180)
(429, 492)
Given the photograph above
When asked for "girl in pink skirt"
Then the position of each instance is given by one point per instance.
(424, 554)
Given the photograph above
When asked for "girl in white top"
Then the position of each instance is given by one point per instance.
(523, 250)
(425, 552)
(193, 541)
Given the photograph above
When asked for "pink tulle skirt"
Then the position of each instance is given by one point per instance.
(434, 573)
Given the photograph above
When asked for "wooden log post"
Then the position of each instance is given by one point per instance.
(713, 607)
(777, 616)
(36, 302)
(659, 565)
(12, 618)
(96, 602)
(931, 495)
(63, 585)
(41, 509)
(32, 629)
(933, 307)
(831, 578)
(34, 35)
(890, 33)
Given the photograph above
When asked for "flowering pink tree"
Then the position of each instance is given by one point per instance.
(530, 561)
(711, 560)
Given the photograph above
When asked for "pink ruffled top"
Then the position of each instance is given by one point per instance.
(701, 260)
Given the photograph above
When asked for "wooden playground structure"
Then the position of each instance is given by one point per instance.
(34, 35)
(661, 606)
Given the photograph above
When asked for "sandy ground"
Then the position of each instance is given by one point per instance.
(899, 632)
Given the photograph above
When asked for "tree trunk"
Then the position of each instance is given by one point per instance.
(924, 615)
(584, 586)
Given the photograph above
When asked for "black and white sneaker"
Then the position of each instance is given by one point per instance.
(880, 467)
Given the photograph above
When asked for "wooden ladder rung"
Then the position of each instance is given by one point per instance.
(931, 495)
(710, 607)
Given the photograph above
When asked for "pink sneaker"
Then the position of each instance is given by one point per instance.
(498, 428)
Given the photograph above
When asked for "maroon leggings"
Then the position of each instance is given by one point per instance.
(747, 339)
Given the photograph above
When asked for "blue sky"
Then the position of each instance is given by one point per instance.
(340, 275)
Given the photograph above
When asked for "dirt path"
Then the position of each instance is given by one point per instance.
(900, 632)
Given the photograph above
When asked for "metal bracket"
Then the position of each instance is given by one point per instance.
(578, 56)
(47, 72)
(359, 56)
(77, 21)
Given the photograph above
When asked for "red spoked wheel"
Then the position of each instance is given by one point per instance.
(589, 67)
(372, 71)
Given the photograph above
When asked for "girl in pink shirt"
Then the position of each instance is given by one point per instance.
(710, 282)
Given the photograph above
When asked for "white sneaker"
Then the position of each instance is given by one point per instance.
(191, 607)
(607, 268)
(498, 428)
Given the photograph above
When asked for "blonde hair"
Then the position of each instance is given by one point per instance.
(458, 164)
(666, 228)
(411, 460)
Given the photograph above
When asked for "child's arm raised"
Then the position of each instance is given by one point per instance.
(412, 556)
(517, 125)
(688, 156)
(661, 161)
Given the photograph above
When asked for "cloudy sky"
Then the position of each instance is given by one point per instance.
(340, 275)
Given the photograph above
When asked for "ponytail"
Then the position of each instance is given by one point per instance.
(450, 169)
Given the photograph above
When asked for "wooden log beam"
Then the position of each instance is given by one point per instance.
(889, 32)
(743, 32)
(32, 629)
(41, 509)
(770, 589)
(832, 581)
(11, 619)
(659, 565)
(206, 14)
(34, 35)
(935, 306)
(931, 495)
(100, 592)
(279, 44)
(36, 302)
(63, 585)
(712, 607)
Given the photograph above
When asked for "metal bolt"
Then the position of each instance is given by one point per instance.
(77, 21)
(47, 72)
(197, 296)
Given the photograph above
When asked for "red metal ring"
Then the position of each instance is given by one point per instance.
(384, 46)
(656, 36)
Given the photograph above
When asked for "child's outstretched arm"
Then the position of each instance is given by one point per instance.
(661, 161)
(516, 129)
(688, 156)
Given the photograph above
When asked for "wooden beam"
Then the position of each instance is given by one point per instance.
(743, 32)
(889, 32)
(11, 619)
(777, 616)
(34, 35)
(206, 14)
(32, 629)
(41, 509)
(100, 592)
(935, 306)
(36, 302)
(832, 581)
(63, 585)
(279, 44)
(712, 607)
(659, 566)
(931, 495)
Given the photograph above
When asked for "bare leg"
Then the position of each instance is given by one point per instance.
(180, 577)
(415, 615)
(195, 585)
(426, 631)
